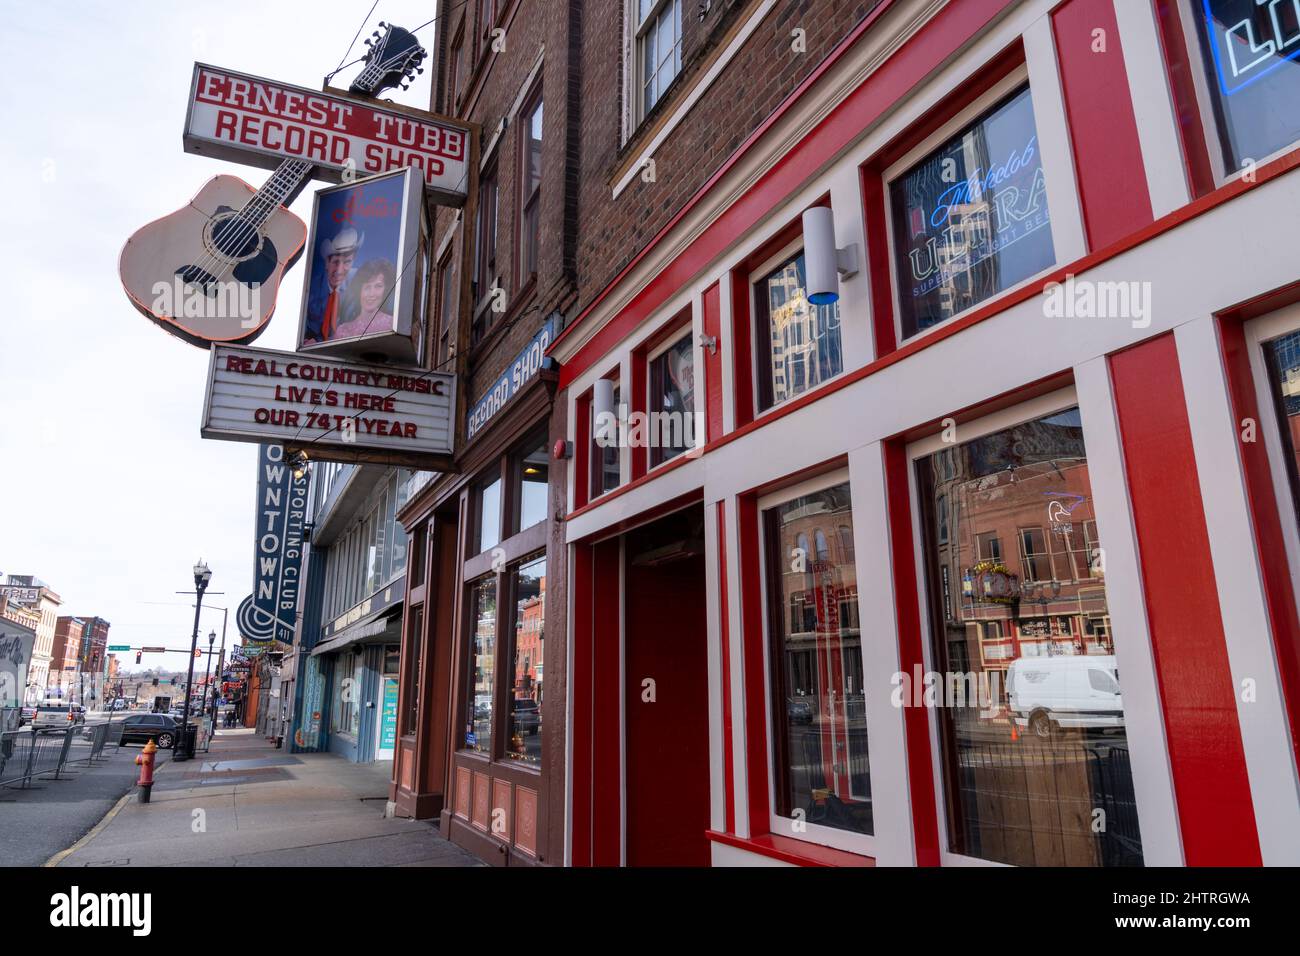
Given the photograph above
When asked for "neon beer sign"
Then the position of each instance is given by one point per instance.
(1251, 38)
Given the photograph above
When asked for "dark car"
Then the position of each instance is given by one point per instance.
(26, 715)
(140, 728)
(528, 716)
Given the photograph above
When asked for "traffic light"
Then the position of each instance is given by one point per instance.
(138, 655)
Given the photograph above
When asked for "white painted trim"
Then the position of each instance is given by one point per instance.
(1153, 106)
(736, 643)
(714, 611)
(1243, 603)
(688, 102)
(891, 801)
(1069, 236)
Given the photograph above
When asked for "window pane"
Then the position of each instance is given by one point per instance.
(524, 733)
(534, 468)
(1252, 65)
(1282, 357)
(672, 400)
(483, 640)
(971, 218)
(411, 692)
(822, 765)
(1032, 750)
(803, 339)
(489, 513)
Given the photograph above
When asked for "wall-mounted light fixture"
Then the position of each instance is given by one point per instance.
(824, 263)
(602, 398)
(709, 342)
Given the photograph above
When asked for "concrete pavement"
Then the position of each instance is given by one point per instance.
(38, 821)
(247, 804)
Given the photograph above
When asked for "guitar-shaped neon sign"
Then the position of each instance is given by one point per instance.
(210, 271)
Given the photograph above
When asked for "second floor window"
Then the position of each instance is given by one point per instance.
(530, 186)
(658, 50)
(486, 276)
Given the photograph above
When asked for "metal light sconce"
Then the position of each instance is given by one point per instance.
(824, 263)
(602, 398)
(709, 342)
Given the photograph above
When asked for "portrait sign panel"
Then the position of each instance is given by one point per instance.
(361, 293)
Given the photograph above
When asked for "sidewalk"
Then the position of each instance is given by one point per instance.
(247, 804)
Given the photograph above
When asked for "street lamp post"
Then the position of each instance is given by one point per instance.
(202, 575)
(207, 670)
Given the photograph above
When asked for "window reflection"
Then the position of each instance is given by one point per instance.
(801, 341)
(524, 734)
(1032, 720)
(478, 717)
(822, 769)
(1283, 358)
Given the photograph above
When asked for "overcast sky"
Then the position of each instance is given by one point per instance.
(106, 490)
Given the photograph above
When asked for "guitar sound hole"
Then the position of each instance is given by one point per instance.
(235, 239)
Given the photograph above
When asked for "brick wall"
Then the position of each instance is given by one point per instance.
(763, 72)
(587, 236)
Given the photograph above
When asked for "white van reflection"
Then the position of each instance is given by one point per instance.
(1046, 694)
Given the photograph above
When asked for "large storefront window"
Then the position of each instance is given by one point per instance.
(372, 554)
(482, 656)
(1282, 355)
(798, 342)
(971, 218)
(1251, 52)
(524, 732)
(819, 707)
(1035, 749)
(346, 717)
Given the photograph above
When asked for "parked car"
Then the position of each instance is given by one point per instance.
(57, 716)
(25, 716)
(1049, 693)
(528, 716)
(140, 728)
(799, 710)
(119, 704)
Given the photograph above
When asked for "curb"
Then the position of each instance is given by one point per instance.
(94, 831)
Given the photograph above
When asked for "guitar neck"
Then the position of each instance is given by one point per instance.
(280, 190)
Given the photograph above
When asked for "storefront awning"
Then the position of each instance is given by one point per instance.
(353, 634)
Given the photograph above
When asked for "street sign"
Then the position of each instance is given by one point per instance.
(154, 650)
(119, 647)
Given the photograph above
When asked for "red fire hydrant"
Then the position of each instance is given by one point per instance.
(145, 763)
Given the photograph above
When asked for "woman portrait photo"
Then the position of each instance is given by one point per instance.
(368, 300)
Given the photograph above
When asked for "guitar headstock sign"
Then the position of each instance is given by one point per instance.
(260, 122)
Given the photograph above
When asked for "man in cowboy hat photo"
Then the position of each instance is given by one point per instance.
(325, 307)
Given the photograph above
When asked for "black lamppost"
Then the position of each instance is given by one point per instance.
(207, 669)
(202, 575)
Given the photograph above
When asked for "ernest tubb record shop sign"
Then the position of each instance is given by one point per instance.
(256, 121)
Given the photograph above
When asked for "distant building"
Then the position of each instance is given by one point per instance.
(30, 591)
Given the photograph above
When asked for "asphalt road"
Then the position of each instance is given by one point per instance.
(51, 815)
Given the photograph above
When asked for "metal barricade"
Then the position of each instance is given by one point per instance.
(29, 753)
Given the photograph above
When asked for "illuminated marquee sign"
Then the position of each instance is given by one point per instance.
(1251, 38)
(251, 120)
(335, 410)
